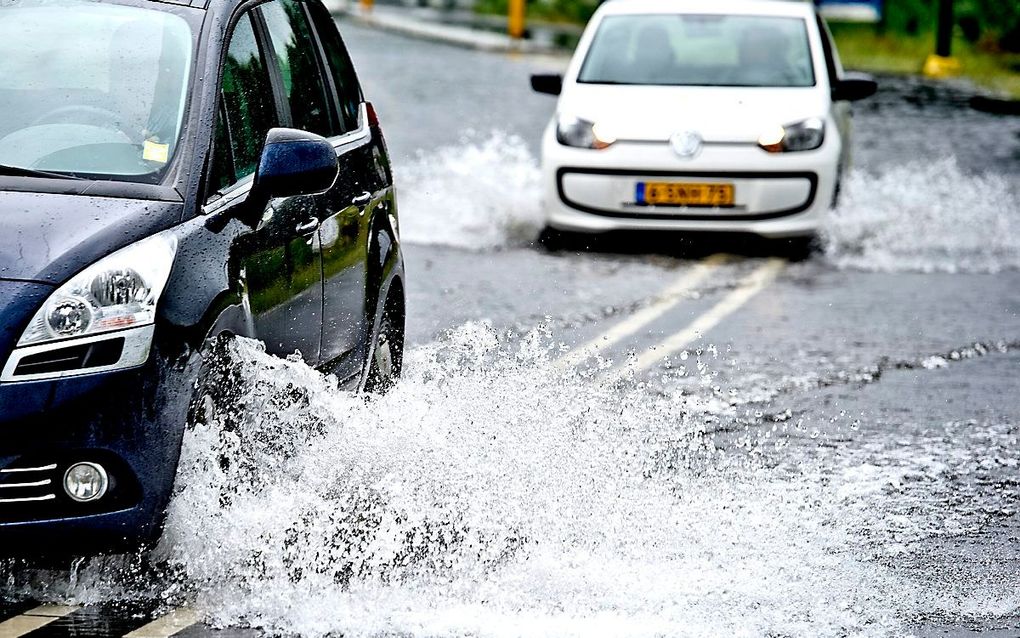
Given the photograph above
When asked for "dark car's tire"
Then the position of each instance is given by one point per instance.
(214, 382)
(386, 356)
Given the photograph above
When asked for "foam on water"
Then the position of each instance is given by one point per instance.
(480, 194)
(926, 216)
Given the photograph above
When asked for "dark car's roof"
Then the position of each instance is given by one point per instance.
(222, 6)
(219, 6)
(200, 4)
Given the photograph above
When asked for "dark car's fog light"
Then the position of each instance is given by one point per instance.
(86, 482)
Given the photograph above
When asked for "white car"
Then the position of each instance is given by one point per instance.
(699, 115)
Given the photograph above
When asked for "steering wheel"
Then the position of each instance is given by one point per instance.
(91, 115)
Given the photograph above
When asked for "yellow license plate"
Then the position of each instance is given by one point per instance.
(684, 194)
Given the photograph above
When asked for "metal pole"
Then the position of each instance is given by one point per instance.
(942, 64)
(944, 42)
(515, 22)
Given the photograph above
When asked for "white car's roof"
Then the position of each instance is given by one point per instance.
(785, 8)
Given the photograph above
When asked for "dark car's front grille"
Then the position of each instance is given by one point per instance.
(20, 484)
(32, 488)
(81, 357)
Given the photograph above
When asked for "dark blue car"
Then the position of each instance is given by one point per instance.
(172, 174)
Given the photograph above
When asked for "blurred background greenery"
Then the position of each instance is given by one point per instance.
(986, 36)
(986, 40)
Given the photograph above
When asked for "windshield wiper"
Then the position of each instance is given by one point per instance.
(20, 171)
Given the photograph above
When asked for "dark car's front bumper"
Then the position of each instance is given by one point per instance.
(124, 421)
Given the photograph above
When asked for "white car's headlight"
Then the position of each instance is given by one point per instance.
(117, 292)
(806, 135)
(581, 133)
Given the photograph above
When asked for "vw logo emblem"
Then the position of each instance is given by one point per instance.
(686, 143)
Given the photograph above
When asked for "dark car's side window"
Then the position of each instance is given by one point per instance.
(247, 110)
(303, 83)
(340, 67)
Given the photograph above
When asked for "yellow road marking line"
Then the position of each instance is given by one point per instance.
(176, 621)
(33, 619)
(748, 288)
(669, 298)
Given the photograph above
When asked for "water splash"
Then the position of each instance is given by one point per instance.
(485, 194)
(490, 495)
(480, 194)
(926, 217)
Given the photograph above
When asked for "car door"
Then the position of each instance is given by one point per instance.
(312, 94)
(280, 266)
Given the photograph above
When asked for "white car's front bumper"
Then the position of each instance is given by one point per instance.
(777, 195)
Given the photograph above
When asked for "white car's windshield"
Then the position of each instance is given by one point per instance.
(700, 50)
(91, 89)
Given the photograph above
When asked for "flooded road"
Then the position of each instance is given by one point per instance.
(697, 439)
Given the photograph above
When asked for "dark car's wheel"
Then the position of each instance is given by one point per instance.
(387, 353)
(214, 381)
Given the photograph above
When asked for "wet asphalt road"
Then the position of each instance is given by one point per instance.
(908, 377)
(853, 340)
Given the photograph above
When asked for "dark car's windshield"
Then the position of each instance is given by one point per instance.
(700, 50)
(91, 89)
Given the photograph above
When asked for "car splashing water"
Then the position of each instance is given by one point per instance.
(916, 217)
(492, 494)
(489, 494)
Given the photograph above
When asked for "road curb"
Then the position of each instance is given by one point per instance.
(391, 21)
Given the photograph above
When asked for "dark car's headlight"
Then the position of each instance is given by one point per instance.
(581, 133)
(119, 291)
(806, 135)
(101, 318)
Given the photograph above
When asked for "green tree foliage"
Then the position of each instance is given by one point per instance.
(994, 24)
(574, 11)
(996, 21)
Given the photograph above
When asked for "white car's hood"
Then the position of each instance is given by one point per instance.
(719, 114)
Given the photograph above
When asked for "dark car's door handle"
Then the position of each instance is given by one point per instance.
(307, 227)
(362, 199)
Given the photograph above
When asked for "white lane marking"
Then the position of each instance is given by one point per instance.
(748, 288)
(669, 298)
(33, 619)
(174, 622)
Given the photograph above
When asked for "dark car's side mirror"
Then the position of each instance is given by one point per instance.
(294, 162)
(853, 87)
(550, 83)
